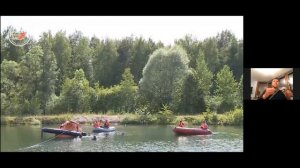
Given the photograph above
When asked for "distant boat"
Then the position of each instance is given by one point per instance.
(103, 129)
(191, 131)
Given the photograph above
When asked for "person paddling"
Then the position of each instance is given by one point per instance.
(204, 125)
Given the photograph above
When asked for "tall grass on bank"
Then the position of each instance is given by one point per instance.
(164, 117)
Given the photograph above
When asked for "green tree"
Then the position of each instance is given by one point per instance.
(237, 64)
(125, 52)
(127, 78)
(81, 54)
(31, 72)
(81, 57)
(141, 52)
(62, 51)
(94, 43)
(31, 80)
(105, 63)
(2, 47)
(48, 63)
(163, 72)
(227, 88)
(76, 93)
(239, 94)
(10, 87)
(75, 39)
(213, 103)
(192, 48)
(203, 75)
(128, 91)
(191, 98)
(228, 53)
(211, 52)
(225, 38)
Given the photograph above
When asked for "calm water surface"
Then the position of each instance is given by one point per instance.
(126, 138)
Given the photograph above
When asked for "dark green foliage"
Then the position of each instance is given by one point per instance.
(62, 51)
(191, 96)
(140, 55)
(106, 63)
(119, 98)
(49, 67)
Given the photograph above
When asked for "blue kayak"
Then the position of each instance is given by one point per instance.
(103, 129)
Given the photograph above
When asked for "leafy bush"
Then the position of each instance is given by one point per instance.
(131, 119)
(7, 120)
(234, 117)
(238, 116)
(165, 116)
(210, 117)
(31, 121)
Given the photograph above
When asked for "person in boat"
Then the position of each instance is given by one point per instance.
(274, 93)
(63, 124)
(99, 123)
(95, 124)
(181, 123)
(71, 126)
(204, 125)
(106, 124)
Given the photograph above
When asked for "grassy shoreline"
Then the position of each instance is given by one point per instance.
(230, 118)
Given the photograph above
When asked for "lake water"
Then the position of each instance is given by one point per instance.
(126, 138)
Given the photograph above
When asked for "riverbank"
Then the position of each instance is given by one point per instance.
(230, 118)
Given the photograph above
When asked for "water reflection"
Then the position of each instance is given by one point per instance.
(181, 140)
(203, 139)
(200, 140)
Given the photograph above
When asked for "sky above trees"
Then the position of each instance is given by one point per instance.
(159, 28)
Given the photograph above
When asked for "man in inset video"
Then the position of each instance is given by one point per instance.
(273, 93)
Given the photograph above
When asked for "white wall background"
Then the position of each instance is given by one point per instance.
(253, 85)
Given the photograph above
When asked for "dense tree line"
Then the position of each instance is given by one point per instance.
(59, 74)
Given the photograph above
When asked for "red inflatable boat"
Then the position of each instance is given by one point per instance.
(191, 131)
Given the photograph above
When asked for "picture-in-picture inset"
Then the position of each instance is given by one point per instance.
(271, 83)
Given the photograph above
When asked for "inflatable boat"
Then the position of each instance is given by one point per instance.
(191, 131)
(103, 129)
(61, 133)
